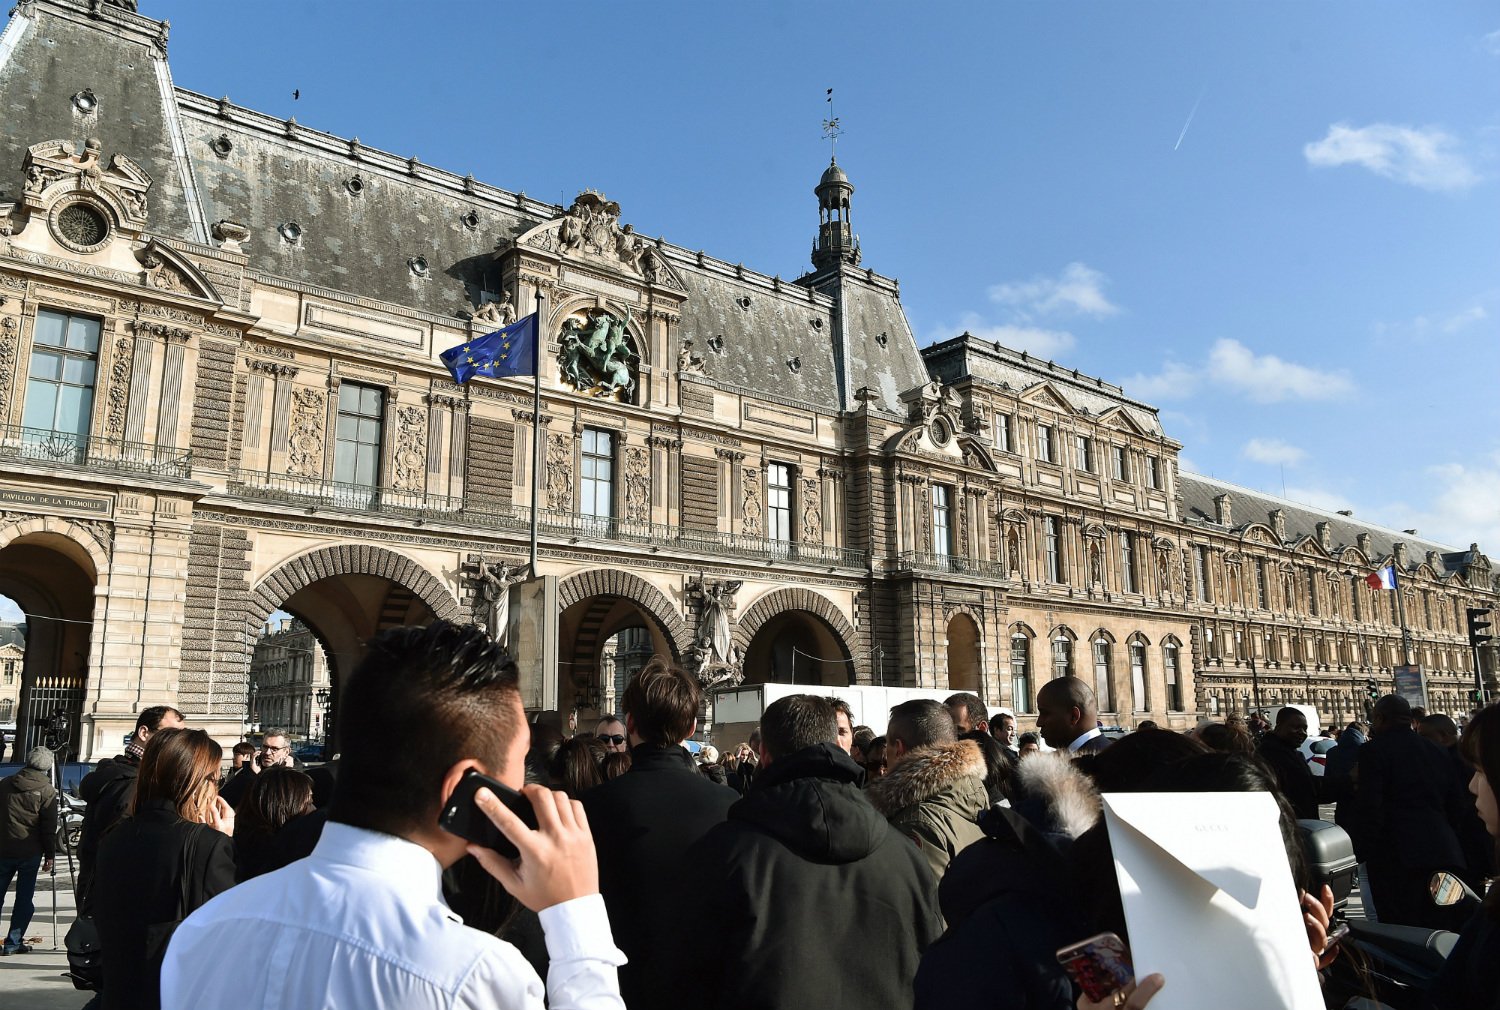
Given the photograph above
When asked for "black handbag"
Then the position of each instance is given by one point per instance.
(84, 955)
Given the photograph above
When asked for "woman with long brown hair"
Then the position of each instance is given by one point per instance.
(169, 856)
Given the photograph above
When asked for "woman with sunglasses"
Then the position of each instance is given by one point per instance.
(169, 856)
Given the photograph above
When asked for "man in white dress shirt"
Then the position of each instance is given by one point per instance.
(362, 922)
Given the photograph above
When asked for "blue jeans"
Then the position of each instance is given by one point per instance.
(24, 870)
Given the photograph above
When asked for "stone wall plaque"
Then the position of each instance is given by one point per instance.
(65, 503)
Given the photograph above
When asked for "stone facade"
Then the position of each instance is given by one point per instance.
(765, 478)
(287, 671)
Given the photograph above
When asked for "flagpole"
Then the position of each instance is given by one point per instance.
(536, 422)
(1401, 616)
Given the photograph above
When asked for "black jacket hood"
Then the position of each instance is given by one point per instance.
(811, 801)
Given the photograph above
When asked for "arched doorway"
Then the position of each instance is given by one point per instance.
(797, 647)
(51, 577)
(612, 622)
(340, 597)
(964, 668)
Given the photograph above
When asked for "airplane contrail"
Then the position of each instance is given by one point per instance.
(1189, 119)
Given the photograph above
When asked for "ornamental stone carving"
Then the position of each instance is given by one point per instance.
(812, 511)
(637, 484)
(8, 342)
(411, 448)
(596, 356)
(119, 388)
(752, 507)
(305, 445)
(688, 360)
(559, 473)
(501, 313)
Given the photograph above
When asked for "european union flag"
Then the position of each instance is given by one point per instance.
(511, 351)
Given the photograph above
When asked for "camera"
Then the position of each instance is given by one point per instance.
(55, 728)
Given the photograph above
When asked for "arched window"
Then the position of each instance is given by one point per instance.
(1170, 654)
(1020, 668)
(1062, 653)
(1140, 698)
(1104, 689)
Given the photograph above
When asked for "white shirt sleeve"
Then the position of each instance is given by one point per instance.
(582, 974)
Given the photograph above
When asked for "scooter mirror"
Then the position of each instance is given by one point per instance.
(1446, 889)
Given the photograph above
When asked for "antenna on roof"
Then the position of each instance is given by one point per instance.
(831, 129)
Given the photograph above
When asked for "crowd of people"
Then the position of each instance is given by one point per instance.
(939, 860)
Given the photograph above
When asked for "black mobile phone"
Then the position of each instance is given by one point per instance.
(461, 815)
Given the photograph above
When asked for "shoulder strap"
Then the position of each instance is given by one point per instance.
(189, 858)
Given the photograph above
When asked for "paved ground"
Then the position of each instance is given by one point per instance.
(35, 981)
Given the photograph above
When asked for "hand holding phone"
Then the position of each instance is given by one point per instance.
(1099, 965)
(462, 817)
(556, 860)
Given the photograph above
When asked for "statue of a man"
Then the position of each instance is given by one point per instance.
(494, 589)
(713, 620)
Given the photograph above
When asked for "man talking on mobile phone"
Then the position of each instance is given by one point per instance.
(362, 922)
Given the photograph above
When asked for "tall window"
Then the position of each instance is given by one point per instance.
(10, 671)
(596, 485)
(1312, 591)
(1174, 683)
(1103, 687)
(942, 524)
(1002, 432)
(1051, 543)
(1020, 672)
(1084, 448)
(1062, 656)
(60, 384)
(1262, 594)
(1127, 562)
(1044, 443)
(1121, 457)
(1200, 557)
(1138, 677)
(779, 501)
(1354, 599)
(1153, 473)
(356, 455)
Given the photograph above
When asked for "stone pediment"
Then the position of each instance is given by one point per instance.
(1044, 394)
(1119, 419)
(1256, 534)
(54, 171)
(590, 230)
(166, 269)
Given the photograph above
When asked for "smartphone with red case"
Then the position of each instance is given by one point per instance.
(1099, 965)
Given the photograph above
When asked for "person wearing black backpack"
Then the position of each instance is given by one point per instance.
(168, 857)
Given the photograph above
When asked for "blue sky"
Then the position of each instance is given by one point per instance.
(1276, 221)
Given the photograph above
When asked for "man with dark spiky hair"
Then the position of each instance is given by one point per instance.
(362, 922)
(969, 713)
(802, 851)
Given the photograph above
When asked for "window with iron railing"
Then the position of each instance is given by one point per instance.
(779, 501)
(61, 377)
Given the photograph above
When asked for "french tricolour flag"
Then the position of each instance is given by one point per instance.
(1382, 578)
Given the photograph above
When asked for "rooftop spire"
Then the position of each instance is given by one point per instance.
(836, 241)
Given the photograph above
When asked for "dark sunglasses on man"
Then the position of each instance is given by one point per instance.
(613, 738)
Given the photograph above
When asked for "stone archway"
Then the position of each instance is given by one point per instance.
(609, 622)
(615, 582)
(798, 615)
(349, 559)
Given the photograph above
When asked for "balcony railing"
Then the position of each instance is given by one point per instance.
(948, 564)
(417, 506)
(99, 454)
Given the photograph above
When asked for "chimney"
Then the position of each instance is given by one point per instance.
(1399, 550)
(1325, 536)
(1278, 523)
(1363, 540)
(1223, 510)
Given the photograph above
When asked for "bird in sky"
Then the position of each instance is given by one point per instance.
(296, 94)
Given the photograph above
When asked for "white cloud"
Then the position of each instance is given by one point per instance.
(1461, 508)
(1427, 158)
(1188, 465)
(1492, 43)
(1078, 290)
(1474, 314)
(1320, 498)
(1265, 378)
(1175, 381)
(9, 611)
(1038, 342)
(1273, 451)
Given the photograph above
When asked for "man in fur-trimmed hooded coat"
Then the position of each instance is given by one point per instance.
(934, 795)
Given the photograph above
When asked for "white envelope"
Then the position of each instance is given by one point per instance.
(1210, 902)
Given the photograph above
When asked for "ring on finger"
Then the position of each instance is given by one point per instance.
(1120, 997)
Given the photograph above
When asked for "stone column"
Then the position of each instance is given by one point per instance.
(140, 388)
(168, 420)
(330, 427)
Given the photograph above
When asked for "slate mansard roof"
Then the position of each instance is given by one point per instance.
(362, 215)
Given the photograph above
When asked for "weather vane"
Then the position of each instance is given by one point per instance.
(831, 128)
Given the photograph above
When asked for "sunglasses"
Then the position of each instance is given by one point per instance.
(613, 738)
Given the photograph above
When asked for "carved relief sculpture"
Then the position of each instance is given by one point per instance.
(596, 356)
(752, 510)
(712, 657)
(637, 484)
(411, 448)
(305, 445)
(501, 313)
(812, 511)
(1013, 552)
(687, 359)
(119, 388)
(8, 340)
(559, 473)
(926, 518)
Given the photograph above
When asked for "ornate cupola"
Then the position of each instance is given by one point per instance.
(836, 241)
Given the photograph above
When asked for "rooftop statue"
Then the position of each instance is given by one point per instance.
(596, 355)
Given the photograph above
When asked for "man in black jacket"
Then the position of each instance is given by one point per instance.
(802, 857)
(108, 790)
(1405, 805)
(643, 824)
(1280, 749)
(1478, 847)
(28, 839)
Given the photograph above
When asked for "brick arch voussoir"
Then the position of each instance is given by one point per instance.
(347, 559)
(780, 601)
(616, 582)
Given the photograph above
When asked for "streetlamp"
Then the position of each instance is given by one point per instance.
(252, 717)
(323, 696)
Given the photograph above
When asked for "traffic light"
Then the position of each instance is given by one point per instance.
(1479, 627)
(1372, 690)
